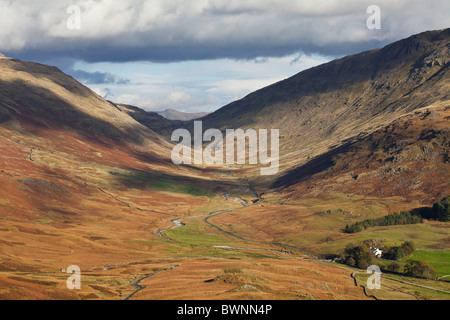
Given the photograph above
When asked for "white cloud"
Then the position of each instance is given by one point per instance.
(177, 30)
(131, 99)
(105, 93)
(198, 85)
(224, 49)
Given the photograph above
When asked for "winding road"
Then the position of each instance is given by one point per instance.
(137, 283)
(286, 249)
(178, 224)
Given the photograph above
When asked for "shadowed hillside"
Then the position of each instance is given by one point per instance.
(407, 158)
(40, 96)
(91, 183)
(325, 105)
(152, 120)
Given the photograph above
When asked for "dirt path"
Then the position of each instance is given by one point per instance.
(177, 224)
(137, 283)
(256, 249)
(287, 249)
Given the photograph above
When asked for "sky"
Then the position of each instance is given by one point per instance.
(199, 55)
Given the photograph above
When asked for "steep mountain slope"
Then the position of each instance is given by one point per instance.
(42, 98)
(83, 183)
(66, 152)
(327, 104)
(408, 158)
(322, 111)
(152, 120)
(50, 123)
(87, 182)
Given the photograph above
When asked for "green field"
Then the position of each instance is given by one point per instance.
(195, 233)
(439, 260)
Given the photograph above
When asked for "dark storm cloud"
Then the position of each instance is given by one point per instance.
(173, 54)
(166, 31)
(68, 67)
(97, 77)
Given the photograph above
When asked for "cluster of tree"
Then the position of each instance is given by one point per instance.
(358, 256)
(404, 217)
(439, 211)
(361, 257)
(398, 252)
(419, 269)
(414, 268)
(394, 267)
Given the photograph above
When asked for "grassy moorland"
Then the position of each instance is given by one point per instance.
(84, 183)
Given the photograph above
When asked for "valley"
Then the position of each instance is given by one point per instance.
(88, 182)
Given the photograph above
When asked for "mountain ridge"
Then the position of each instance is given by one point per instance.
(341, 98)
(407, 158)
(26, 86)
(89, 182)
(171, 114)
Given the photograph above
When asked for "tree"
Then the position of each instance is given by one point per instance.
(403, 217)
(419, 269)
(408, 247)
(396, 253)
(360, 255)
(394, 267)
(441, 209)
(350, 261)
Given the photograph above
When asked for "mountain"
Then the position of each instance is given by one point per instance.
(407, 158)
(325, 111)
(40, 98)
(171, 114)
(324, 106)
(84, 184)
(152, 120)
(88, 182)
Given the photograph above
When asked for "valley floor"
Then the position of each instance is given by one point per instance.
(204, 247)
(139, 228)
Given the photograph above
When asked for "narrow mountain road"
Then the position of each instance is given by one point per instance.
(284, 246)
(137, 283)
(287, 249)
(178, 224)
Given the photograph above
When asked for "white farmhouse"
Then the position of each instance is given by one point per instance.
(376, 252)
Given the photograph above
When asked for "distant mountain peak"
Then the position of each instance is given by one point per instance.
(172, 114)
